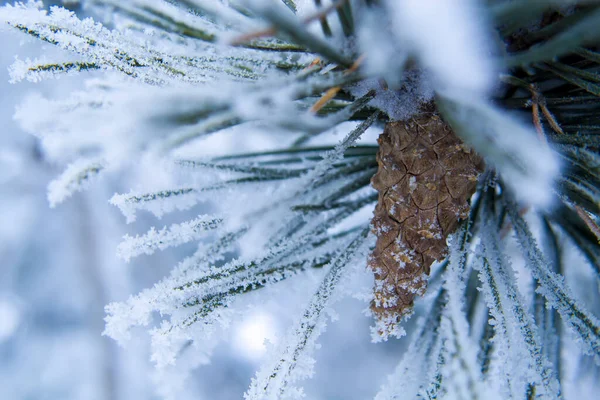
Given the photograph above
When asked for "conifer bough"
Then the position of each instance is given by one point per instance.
(176, 73)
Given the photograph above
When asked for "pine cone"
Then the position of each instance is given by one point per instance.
(426, 176)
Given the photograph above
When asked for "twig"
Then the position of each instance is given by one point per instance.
(314, 62)
(591, 224)
(551, 119)
(536, 100)
(330, 94)
(539, 102)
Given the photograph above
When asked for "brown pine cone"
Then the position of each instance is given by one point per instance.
(425, 178)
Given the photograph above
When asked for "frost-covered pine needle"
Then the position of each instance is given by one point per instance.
(75, 178)
(175, 235)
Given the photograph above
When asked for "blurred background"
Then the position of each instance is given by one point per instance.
(58, 269)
